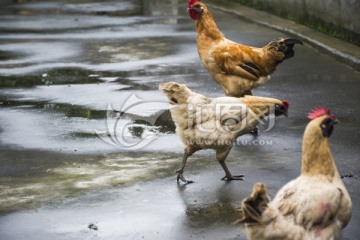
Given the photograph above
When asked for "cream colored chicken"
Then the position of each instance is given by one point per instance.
(215, 123)
(237, 68)
(314, 206)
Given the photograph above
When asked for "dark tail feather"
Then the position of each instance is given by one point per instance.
(253, 206)
(284, 45)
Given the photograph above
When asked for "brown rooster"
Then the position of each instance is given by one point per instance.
(316, 205)
(237, 68)
(215, 123)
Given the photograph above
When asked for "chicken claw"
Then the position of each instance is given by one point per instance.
(180, 176)
(229, 178)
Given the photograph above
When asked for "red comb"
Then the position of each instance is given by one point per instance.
(318, 112)
(286, 103)
(192, 2)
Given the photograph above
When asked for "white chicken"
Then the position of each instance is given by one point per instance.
(215, 123)
(316, 205)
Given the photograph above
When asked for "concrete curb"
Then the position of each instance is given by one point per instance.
(343, 51)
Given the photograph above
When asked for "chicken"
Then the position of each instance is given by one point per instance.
(237, 68)
(215, 123)
(316, 205)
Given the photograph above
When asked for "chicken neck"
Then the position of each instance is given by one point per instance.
(316, 156)
(207, 29)
(258, 105)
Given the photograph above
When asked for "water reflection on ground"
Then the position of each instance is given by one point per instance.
(84, 55)
(62, 63)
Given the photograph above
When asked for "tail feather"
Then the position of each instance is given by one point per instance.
(253, 206)
(292, 41)
(284, 45)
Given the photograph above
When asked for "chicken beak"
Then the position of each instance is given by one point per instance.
(279, 112)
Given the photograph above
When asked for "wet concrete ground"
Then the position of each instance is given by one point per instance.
(62, 63)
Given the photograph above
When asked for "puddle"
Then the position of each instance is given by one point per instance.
(138, 49)
(82, 35)
(51, 77)
(69, 175)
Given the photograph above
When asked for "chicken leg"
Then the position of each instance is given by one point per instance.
(179, 172)
(221, 156)
(228, 175)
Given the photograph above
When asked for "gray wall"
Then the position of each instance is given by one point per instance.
(343, 13)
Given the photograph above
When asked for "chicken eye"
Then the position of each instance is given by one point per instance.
(197, 6)
(326, 122)
(327, 127)
(278, 106)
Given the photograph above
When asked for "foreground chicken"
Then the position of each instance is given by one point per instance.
(237, 68)
(316, 205)
(215, 123)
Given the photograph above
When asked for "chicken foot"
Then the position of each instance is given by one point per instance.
(228, 175)
(221, 155)
(179, 172)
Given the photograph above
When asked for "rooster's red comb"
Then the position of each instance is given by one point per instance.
(318, 112)
(286, 104)
(192, 2)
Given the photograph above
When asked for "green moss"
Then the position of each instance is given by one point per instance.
(77, 111)
(329, 29)
(67, 109)
(83, 135)
(307, 20)
(55, 76)
(23, 81)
